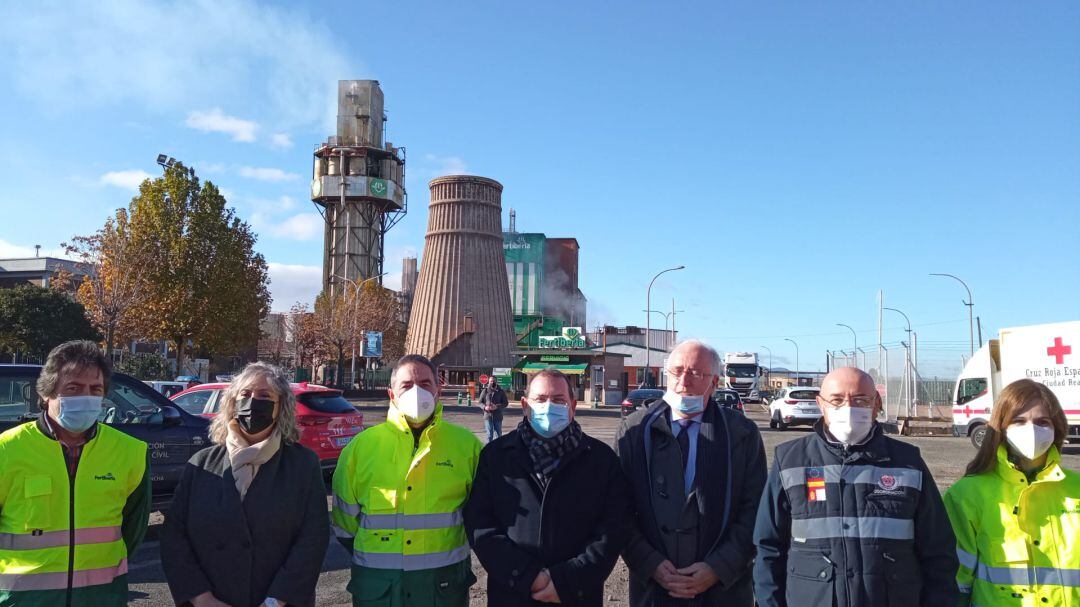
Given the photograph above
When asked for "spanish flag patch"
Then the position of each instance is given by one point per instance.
(815, 485)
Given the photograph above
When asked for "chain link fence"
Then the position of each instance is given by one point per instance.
(910, 386)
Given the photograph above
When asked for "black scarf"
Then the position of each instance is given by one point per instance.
(547, 454)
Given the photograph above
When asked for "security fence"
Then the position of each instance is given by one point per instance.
(910, 387)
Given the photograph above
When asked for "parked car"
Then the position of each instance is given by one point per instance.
(729, 399)
(168, 388)
(132, 407)
(794, 406)
(642, 397)
(327, 421)
(190, 381)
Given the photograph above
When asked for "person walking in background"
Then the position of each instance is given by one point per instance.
(1016, 511)
(851, 516)
(74, 493)
(493, 400)
(248, 525)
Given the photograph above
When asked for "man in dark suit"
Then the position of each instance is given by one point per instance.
(697, 471)
(549, 510)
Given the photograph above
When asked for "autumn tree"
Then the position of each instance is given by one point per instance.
(34, 320)
(379, 310)
(204, 284)
(337, 332)
(301, 327)
(112, 288)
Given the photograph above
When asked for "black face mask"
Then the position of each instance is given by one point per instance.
(254, 414)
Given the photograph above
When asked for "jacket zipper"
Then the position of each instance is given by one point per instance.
(71, 522)
(843, 536)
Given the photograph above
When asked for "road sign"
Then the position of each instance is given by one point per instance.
(484, 379)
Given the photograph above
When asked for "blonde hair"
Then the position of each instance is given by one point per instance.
(279, 383)
(1013, 400)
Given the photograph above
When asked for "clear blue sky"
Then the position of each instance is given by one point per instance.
(796, 157)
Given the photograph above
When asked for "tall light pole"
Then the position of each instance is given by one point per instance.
(970, 303)
(907, 347)
(855, 338)
(648, 318)
(796, 360)
(770, 364)
(668, 316)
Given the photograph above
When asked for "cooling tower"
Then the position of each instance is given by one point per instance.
(461, 314)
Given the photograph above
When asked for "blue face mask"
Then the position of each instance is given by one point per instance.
(78, 413)
(548, 418)
(685, 403)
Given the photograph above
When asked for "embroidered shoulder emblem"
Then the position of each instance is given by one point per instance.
(815, 485)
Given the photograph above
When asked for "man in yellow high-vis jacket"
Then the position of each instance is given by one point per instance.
(399, 489)
(74, 494)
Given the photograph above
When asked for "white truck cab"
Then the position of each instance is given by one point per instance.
(1049, 354)
(743, 374)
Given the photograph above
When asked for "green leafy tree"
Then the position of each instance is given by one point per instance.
(145, 366)
(205, 286)
(34, 320)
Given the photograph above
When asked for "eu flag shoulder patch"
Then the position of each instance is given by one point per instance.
(815, 485)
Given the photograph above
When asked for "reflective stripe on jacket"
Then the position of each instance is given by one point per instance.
(1018, 542)
(851, 527)
(401, 509)
(64, 534)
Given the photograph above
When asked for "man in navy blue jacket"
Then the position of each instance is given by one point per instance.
(851, 517)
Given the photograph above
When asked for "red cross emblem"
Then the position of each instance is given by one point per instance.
(967, 410)
(1058, 351)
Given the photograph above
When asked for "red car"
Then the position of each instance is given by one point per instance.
(327, 421)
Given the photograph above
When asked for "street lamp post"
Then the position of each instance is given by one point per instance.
(907, 348)
(770, 365)
(648, 318)
(796, 359)
(970, 303)
(668, 316)
(855, 338)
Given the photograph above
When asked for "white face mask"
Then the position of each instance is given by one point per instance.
(686, 404)
(850, 425)
(416, 404)
(1029, 440)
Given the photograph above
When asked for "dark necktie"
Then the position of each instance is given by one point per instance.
(684, 440)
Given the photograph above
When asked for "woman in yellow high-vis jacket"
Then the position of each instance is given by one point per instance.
(1016, 512)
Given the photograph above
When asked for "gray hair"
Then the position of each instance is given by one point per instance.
(714, 356)
(71, 356)
(279, 383)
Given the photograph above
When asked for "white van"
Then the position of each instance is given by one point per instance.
(168, 388)
(1049, 354)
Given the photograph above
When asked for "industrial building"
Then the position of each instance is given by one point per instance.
(461, 314)
(358, 184)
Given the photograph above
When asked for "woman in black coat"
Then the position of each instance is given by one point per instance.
(248, 525)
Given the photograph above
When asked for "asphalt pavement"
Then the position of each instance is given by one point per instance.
(945, 456)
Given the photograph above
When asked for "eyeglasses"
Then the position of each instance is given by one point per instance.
(687, 373)
(859, 402)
